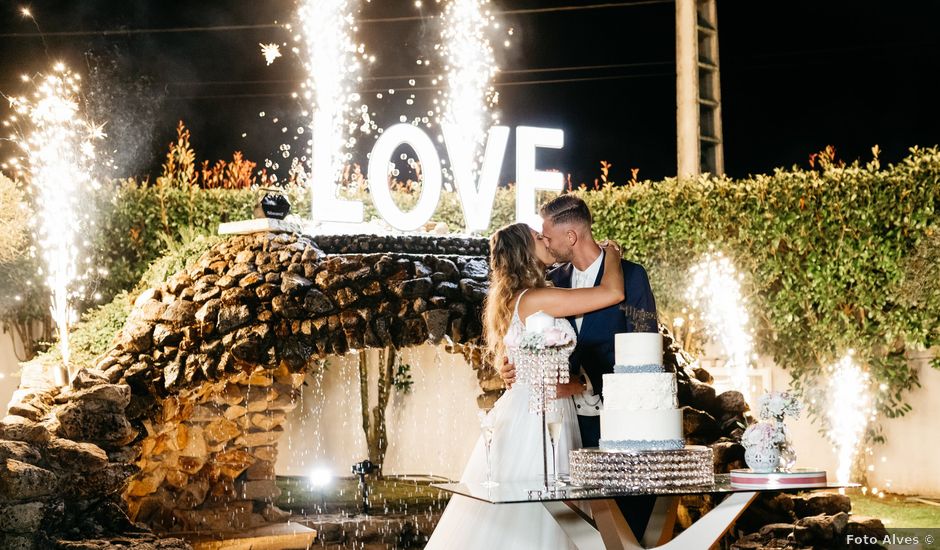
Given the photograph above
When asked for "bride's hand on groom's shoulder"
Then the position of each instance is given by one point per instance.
(609, 243)
(507, 372)
(612, 247)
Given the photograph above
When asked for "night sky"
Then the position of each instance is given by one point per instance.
(796, 76)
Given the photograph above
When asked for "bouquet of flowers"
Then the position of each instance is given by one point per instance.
(540, 335)
(762, 435)
(552, 337)
(777, 404)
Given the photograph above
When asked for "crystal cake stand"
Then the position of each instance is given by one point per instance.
(642, 470)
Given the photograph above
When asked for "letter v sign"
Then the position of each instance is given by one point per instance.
(476, 198)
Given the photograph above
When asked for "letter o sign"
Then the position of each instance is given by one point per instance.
(379, 163)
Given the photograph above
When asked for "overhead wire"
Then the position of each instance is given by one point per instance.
(366, 20)
(432, 88)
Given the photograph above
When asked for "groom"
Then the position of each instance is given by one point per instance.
(566, 232)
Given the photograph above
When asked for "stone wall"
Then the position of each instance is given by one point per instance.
(65, 457)
(177, 424)
(207, 462)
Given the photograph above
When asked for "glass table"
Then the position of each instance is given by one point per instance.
(593, 521)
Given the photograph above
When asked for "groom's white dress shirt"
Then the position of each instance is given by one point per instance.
(585, 279)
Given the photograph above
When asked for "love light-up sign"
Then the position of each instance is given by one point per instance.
(476, 195)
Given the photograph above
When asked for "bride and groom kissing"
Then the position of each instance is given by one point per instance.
(593, 294)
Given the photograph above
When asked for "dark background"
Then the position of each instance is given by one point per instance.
(795, 76)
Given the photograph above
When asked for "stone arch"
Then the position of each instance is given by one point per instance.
(178, 423)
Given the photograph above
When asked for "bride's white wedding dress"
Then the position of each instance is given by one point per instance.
(515, 455)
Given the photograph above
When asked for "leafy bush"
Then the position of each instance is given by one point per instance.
(12, 220)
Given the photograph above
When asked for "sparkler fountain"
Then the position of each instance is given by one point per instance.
(332, 61)
(58, 144)
(850, 410)
(470, 67)
(716, 291)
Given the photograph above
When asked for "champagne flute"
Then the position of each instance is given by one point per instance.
(554, 433)
(488, 431)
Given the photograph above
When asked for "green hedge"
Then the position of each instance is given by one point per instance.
(834, 259)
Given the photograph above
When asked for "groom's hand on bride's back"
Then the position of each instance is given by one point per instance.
(508, 373)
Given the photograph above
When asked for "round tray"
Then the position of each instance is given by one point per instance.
(802, 477)
(642, 470)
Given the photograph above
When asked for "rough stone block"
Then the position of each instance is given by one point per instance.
(19, 450)
(18, 428)
(257, 489)
(22, 518)
(68, 455)
(22, 481)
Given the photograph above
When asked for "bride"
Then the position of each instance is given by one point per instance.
(518, 289)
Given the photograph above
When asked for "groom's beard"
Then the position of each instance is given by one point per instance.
(561, 258)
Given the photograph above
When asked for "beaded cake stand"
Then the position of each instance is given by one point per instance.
(641, 470)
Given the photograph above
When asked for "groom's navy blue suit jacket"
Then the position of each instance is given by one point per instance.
(637, 313)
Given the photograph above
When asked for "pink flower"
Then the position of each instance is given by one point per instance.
(554, 337)
(511, 340)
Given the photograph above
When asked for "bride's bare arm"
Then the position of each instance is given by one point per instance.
(567, 302)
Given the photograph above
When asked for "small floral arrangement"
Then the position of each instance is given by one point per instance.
(551, 337)
(777, 404)
(762, 435)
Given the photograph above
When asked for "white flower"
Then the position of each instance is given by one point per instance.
(776, 405)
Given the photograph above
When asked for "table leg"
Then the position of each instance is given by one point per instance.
(575, 524)
(614, 529)
(617, 535)
(662, 522)
(709, 528)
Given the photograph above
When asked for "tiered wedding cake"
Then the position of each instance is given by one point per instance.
(641, 447)
(640, 406)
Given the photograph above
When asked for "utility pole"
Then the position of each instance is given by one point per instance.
(698, 89)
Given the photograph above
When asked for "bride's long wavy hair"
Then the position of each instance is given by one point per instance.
(513, 267)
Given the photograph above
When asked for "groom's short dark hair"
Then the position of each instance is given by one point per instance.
(567, 209)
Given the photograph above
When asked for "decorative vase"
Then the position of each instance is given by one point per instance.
(762, 459)
(785, 448)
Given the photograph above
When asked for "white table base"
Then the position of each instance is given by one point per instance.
(613, 533)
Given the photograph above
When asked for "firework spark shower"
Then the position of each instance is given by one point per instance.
(849, 412)
(333, 62)
(58, 145)
(716, 292)
(470, 67)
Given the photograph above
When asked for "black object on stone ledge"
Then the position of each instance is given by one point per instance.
(273, 204)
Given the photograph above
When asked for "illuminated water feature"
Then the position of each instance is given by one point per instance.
(319, 489)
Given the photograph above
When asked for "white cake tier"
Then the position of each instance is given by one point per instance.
(641, 391)
(638, 348)
(641, 425)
